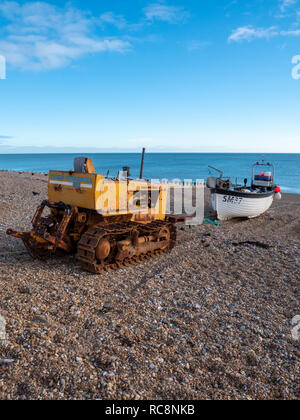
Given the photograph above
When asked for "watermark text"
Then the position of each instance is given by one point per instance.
(296, 68)
(2, 67)
(2, 328)
(296, 329)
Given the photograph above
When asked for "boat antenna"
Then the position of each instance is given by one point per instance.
(217, 170)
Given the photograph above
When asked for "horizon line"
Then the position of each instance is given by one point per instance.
(153, 153)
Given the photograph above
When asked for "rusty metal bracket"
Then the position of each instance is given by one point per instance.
(69, 212)
(19, 235)
(38, 213)
(57, 244)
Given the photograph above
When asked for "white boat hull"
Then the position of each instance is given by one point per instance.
(229, 206)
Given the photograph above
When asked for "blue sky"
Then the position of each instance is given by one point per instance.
(194, 75)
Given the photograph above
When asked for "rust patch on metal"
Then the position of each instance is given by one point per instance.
(58, 188)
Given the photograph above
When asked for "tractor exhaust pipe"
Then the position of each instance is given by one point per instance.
(142, 163)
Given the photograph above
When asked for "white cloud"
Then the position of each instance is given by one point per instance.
(290, 33)
(153, 12)
(249, 33)
(119, 21)
(112, 19)
(164, 13)
(42, 36)
(286, 4)
(195, 45)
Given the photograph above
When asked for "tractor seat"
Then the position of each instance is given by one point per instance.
(83, 165)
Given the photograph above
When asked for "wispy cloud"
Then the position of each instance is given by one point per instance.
(111, 18)
(196, 45)
(42, 36)
(249, 33)
(119, 21)
(165, 13)
(286, 4)
(3, 140)
(290, 33)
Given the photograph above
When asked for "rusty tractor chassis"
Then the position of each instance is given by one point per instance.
(100, 243)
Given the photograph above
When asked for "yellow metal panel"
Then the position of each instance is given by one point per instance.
(108, 196)
(90, 166)
(72, 188)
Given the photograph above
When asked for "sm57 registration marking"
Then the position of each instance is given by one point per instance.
(232, 200)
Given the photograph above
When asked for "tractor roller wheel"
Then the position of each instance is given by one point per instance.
(103, 250)
(95, 251)
(165, 235)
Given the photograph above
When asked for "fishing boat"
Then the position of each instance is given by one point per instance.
(242, 201)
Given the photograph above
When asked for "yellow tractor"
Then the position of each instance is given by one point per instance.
(107, 222)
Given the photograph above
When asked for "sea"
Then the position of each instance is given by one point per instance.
(171, 166)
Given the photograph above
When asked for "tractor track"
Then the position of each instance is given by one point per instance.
(86, 251)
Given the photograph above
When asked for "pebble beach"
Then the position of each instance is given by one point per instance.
(210, 320)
